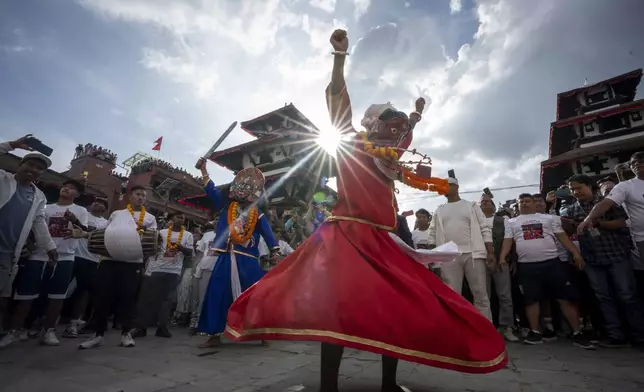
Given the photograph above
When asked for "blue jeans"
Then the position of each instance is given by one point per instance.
(621, 276)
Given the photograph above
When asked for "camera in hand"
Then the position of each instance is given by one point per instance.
(39, 146)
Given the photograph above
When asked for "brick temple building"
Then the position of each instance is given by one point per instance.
(95, 167)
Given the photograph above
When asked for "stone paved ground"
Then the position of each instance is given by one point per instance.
(176, 365)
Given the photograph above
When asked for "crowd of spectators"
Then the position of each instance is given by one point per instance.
(563, 264)
(150, 163)
(95, 151)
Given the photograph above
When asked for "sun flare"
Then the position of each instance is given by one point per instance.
(329, 140)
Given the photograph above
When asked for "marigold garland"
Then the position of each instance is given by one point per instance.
(249, 226)
(139, 223)
(175, 245)
(380, 152)
(408, 177)
(433, 184)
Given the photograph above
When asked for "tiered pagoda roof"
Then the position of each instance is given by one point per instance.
(624, 86)
(284, 137)
(596, 126)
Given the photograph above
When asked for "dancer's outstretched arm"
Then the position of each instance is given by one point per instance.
(209, 187)
(337, 97)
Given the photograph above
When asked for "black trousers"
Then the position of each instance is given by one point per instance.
(157, 293)
(116, 281)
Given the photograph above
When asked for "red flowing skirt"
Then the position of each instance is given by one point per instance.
(350, 284)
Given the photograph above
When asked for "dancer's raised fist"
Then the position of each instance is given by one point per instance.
(420, 104)
(339, 40)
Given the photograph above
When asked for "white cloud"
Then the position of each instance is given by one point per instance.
(360, 7)
(324, 5)
(186, 69)
(455, 6)
(490, 100)
(16, 48)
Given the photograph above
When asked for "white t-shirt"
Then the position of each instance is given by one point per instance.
(149, 223)
(420, 237)
(455, 220)
(206, 246)
(534, 236)
(58, 224)
(564, 255)
(285, 248)
(93, 223)
(170, 260)
(630, 194)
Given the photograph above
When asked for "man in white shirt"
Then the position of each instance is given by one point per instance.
(38, 274)
(120, 276)
(420, 235)
(541, 274)
(499, 274)
(207, 256)
(86, 268)
(630, 195)
(463, 222)
(163, 275)
(22, 211)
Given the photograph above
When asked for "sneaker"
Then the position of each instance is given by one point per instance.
(508, 334)
(591, 335)
(9, 338)
(127, 341)
(71, 331)
(533, 338)
(163, 332)
(49, 338)
(613, 343)
(193, 323)
(94, 341)
(33, 332)
(23, 335)
(580, 339)
(549, 335)
(139, 333)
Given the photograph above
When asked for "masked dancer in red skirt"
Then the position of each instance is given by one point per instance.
(352, 284)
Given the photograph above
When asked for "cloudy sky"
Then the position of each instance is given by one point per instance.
(121, 73)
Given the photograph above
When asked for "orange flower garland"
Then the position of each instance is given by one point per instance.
(433, 184)
(408, 177)
(249, 227)
(380, 152)
(139, 223)
(175, 245)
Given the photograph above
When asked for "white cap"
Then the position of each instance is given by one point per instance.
(40, 157)
(452, 181)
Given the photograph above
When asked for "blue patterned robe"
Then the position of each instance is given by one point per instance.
(220, 295)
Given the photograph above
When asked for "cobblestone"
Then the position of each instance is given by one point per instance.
(177, 365)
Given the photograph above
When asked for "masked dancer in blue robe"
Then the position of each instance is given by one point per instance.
(236, 242)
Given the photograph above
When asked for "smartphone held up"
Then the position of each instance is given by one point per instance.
(37, 145)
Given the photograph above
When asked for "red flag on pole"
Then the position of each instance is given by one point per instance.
(157, 144)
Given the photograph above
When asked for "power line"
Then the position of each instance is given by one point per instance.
(418, 197)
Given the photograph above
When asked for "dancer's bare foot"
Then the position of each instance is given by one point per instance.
(213, 341)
